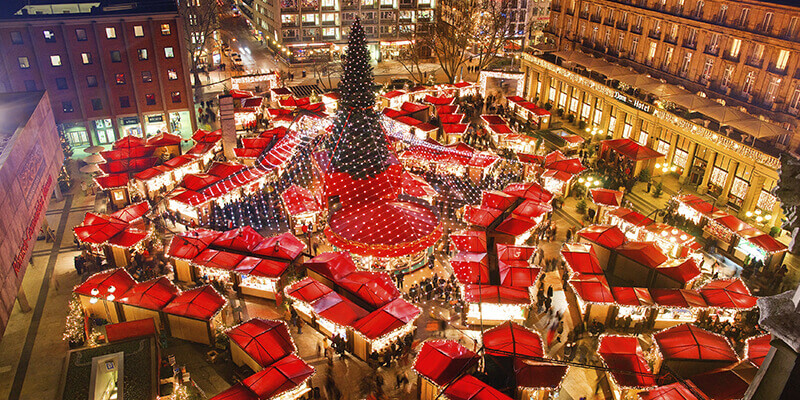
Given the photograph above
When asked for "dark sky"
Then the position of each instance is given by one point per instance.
(9, 6)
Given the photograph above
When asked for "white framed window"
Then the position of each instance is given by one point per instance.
(749, 80)
(651, 54)
(772, 90)
(727, 76)
(783, 58)
(138, 31)
(55, 60)
(718, 176)
(680, 158)
(739, 187)
(708, 66)
(687, 62)
(662, 146)
(86, 58)
(169, 52)
(111, 32)
(766, 201)
(736, 46)
(794, 100)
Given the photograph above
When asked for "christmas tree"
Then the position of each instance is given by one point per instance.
(358, 145)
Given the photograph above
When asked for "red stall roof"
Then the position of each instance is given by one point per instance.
(112, 181)
(451, 118)
(152, 295)
(236, 392)
(531, 191)
(632, 296)
(307, 290)
(698, 204)
(481, 216)
(457, 129)
(202, 136)
(757, 347)
(413, 107)
(473, 241)
(728, 293)
(481, 159)
(536, 374)
(179, 161)
(730, 222)
(605, 235)
(218, 259)
(507, 252)
(581, 258)
(496, 294)
(132, 212)
(496, 199)
(470, 388)
(510, 339)
(285, 374)
(681, 271)
(391, 316)
(284, 246)
(242, 239)
(725, 383)
(98, 228)
(532, 209)
(266, 341)
(129, 142)
(517, 273)
(337, 309)
(197, 182)
(645, 253)
(515, 225)
(440, 110)
(188, 245)
(606, 197)
(333, 265)
(471, 267)
(631, 149)
(394, 93)
(152, 172)
(164, 139)
(632, 217)
(493, 119)
(592, 288)
(130, 329)
(441, 361)
(570, 166)
(768, 243)
(688, 342)
(114, 282)
(674, 391)
(625, 358)
(439, 101)
(128, 237)
(376, 288)
(681, 298)
(261, 267)
(299, 200)
(201, 303)
(416, 186)
(557, 175)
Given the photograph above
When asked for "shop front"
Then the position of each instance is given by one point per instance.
(154, 124)
(180, 123)
(129, 126)
(104, 130)
(76, 133)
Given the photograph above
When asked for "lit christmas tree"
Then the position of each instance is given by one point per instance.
(358, 145)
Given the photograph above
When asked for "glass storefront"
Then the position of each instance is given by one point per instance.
(76, 134)
(181, 124)
(129, 126)
(104, 130)
(154, 124)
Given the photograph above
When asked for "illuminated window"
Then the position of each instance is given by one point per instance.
(119, 78)
(150, 99)
(718, 176)
(111, 32)
(147, 77)
(736, 46)
(176, 97)
(142, 54)
(55, 60)
(23, 62)
(783, 58)
(172, 75)
(169, 52)
(80, 35)
(49, 36)
(138, 31)
(166, 30)
(86, 58)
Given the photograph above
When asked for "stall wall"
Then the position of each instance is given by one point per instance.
(189, 329)
(102, 309)
(240, 357)
(133, 313)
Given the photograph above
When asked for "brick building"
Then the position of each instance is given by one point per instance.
(110, 67)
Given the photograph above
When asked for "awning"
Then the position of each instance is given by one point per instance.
(266, 341)
(386, 319)
(678, 298)
(768, 244)
(471, 267)
(645, 253)
(307, 290)
(242, 239)
(728, 293)
(605, 235)
(114, 282)
(725, 115)
(472, 241)
(688, 342)
(592, 288)
(284, 246)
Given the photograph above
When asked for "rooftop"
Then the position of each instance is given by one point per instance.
(15, 111)
(50, 8)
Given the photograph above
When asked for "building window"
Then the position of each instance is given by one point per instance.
(86, 58)
(66, 106)
(124, 102)
(147, 77)
(80, 35)
(176, 97)
(680, 158)
(651, 54)
(766, 201)
(661, 146)
(23, 62)
(111, 32)
(142, 54)
(30, 85)
(166, 30)
(61, 83)
(772, 90)
(634, 46)
(794, 101)
(667, 57)
(736, 46)
(116, 56)
(172, 75)
(727, 76)
(687, 62)
(49, 36)
(55, 60)
(91, 80)
(758, 52)
(620, 42)
(16, 38)
(707, 67)
(718, 176)
(749, 80)
(743, 17)
(783, 58)
(119, 78)
(150, 99)
(138, 31)
(97, 104)
(169, 52)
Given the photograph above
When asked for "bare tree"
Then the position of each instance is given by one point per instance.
(493, 30)
(200, 22)
(418, 50)
(324, 70)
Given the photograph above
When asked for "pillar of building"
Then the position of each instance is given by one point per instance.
(22, 300)
(689, 162)
(723, 198)
(606, 118)
(673, 143)
(703, 187)
(753, 191)
(228, 125)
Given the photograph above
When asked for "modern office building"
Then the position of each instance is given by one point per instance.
(734, 68)
(309, 28)
(110, 67)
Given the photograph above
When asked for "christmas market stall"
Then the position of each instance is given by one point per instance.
(287, 378)
(593, 297)
(393, 99)
(258, 343)
(756, 348)
(631, 222)
(727, 297)
(440, 362)
(629, 369)
(633, 306)
(166, 145)
(128, 156)
(303, 206)
(303, 293)
(676, 306)
(633, 157)
(494, 304)
(729, 382)
(98, 293)
(606, 201)
(686, 350)
(194, 315)
(469, 387)
(514, 267)
(603, 238)
(376, 332)
(146, 300)
(116, 237)
(673, 242)
(635, 263)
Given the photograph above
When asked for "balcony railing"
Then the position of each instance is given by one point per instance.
(690, 44)
(754, 62)
(727, 56)
(637, 29)
(764, 28)
(583, 15)
(609, 22)
(654, 34)
(788, 34)
(671, 39)
(676, 10)
(771, 67)
(595, 18)
(698, 15)
(622, 25)
(712, 50)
